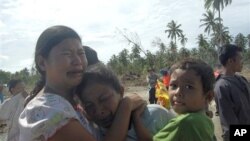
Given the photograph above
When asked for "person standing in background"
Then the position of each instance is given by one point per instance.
(232, 91)
(165, 77)
(1, 94)
(152, 80)
(12, 108)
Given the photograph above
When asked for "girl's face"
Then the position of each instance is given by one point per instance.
(100, 102)
(186, 92)
(65, 64)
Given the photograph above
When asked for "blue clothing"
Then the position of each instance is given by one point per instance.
(1, 98)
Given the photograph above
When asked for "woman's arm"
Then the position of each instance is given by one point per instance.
(117, 132)
(119, 128)
(73, 130)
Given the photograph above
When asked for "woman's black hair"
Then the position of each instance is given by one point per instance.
(46, 41)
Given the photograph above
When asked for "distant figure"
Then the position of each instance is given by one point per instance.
(232, 91)
(12, 107)
(165, 77)
(217, 70)
(152, 80)
(1, 94)
(190, 89)
(161, 93)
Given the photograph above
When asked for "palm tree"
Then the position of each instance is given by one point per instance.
(209, 21)
(194, 53)
(173, 30)
(217, 5)
(173, 47)
(241, 41)
(222, 37)
(184, 53)
(248, 38)
(202, 41)
(183, 40)
(172, 53)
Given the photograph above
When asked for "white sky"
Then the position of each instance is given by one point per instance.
(22, 21)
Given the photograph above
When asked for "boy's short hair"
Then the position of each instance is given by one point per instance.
(201, 68)
(12, 83)
(226, 52)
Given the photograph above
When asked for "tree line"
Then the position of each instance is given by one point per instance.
(138, 60)
(215, 35)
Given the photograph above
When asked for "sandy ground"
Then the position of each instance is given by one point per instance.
(143, 92)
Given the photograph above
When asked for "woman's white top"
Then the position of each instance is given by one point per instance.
(47, 113)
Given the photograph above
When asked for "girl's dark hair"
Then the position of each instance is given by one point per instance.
(99, 74)
(46, 41)
(201, 68)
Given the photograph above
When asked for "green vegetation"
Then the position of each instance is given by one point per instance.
(138, 60)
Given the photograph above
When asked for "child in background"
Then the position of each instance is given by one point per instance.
(152, 78)
(165, 77)
(191, 90)
(101, 92)
(161, 93)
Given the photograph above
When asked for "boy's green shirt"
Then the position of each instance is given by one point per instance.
(187, 127)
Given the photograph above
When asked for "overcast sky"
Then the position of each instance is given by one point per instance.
(22, 21)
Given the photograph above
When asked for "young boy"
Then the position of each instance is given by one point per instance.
(191, 90)
(101, 92)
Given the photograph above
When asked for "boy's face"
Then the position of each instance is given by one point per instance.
(237, 62)
(20, 87)
(100, 102)
(186, 92)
